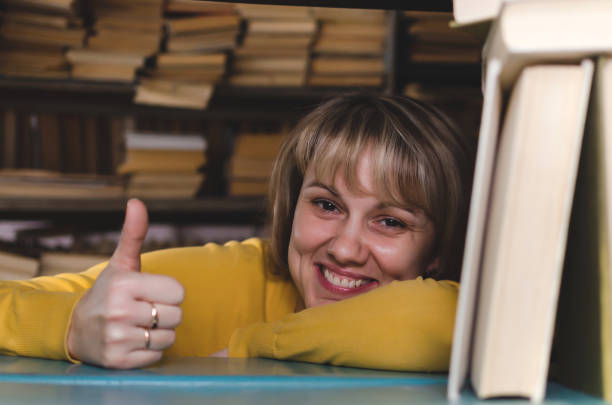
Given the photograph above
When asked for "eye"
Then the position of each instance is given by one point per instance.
(392, 223)
(325, 205)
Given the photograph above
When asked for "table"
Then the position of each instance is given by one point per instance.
(232, 381)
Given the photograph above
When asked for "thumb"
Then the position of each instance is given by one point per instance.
(127, 253)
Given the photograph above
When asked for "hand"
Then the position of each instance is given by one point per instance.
(109, 324)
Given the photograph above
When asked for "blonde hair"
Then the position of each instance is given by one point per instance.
(420, 161)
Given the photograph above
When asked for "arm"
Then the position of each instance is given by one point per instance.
(35, 314)
(406, 325)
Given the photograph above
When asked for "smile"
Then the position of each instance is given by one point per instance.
(340, 283)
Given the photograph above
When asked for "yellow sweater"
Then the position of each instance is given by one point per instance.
(233, 299)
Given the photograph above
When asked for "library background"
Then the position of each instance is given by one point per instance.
(184, 103)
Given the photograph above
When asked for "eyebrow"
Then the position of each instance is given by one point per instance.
(381, 205)
(331, 189)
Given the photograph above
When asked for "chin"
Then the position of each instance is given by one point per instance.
(317, 302)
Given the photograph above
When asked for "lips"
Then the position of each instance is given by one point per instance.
(341, 282)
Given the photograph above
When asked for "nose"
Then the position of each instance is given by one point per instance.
(348, 247)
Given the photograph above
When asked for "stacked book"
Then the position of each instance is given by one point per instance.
(275, 49)
(350, 48)
(163, 166)
(535, 303)
(124, 35)
(14, 266)
(198, 39)
(37, 184)
(251, 163)
(431, 40)
(35, 36)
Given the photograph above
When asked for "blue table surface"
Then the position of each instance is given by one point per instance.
(232, 381)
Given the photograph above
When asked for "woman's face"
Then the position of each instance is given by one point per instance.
(345, 243)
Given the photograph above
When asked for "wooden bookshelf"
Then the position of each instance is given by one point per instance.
(208, 209)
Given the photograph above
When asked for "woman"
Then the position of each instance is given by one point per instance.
(368, 194)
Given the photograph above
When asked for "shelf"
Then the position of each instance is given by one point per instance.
(217, 210)
(227, 102)
(424, 5)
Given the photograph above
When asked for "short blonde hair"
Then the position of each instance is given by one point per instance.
(420, 160)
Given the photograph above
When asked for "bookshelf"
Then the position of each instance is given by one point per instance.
(228, 109)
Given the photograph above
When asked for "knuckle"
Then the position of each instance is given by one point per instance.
(112, 335)
(110, 359)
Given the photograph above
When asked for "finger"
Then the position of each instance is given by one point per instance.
(160, 339)
(140, 358)
(127, 253)
(168, 316)
(157, 288)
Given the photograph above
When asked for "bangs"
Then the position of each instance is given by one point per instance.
(338, 146)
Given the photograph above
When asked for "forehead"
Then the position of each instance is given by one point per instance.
(360, 181)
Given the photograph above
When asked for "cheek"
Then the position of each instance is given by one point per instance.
(403, 258)
(308, 232)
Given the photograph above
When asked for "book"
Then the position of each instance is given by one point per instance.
(198, 6)
(347, 66)
(47, 6)
(582, 356)
(202, 23)
(37, 18)
(267, 79)
(203, 42)
(53, 263)
(17, 267)
(248, 187)
(326, 45)
(344, 80)
(50, 142)
(524, 245)
(272, 41)
(52, 185)
(285, 27)
(213, 60)
(365, 16)
(274, 12)
(258, 146)
(271, 64)
(173, 94)
(162, 160)
(568, 31)
(103, 72)
(89, 56)
(41, 35)
(156, 141)
(10, 136)
(540, 33)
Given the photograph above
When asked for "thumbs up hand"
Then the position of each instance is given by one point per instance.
(127, 318)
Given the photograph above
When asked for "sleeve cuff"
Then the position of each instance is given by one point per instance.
(257, 340)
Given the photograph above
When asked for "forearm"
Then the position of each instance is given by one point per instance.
(35, 314)
(404, 326)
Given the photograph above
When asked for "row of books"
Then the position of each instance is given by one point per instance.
(251, 162)
(52, 156)
(42, 248)
(179, 49)
(535, 302)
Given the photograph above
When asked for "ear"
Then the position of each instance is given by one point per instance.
(433, 268)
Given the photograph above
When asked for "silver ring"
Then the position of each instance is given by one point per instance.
(155, 316)
(147, 338)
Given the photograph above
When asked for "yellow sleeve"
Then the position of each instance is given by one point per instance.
(35, 314)
(405, 325)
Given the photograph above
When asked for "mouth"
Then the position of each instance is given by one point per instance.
(343, 283)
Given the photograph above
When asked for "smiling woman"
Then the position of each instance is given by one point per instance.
(368, 206)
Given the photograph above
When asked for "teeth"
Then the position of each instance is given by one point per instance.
(346, 283)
